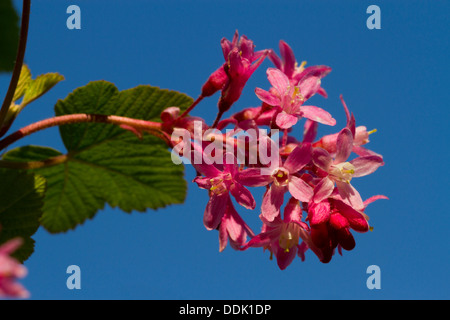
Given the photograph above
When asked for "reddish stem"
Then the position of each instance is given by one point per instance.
(148, 126)
(192, 106)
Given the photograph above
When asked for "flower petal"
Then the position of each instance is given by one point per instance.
(288, 58)
(242, 195)
(208, 170)
(366, 165)
(321, 158)
(292, 211)
(278, 80)
(284, 258)
(275, 59)
(344, 145)
(252, 177)
(374, 198)
(350, 195)
(272, 201)
(234, 228)
(361, 151)
(267, 97)
(355, 218)
(310, 131)
(317, 114)
(285, 120)
(345, 239)
(300, 190)
(214, 210)
(298, 158)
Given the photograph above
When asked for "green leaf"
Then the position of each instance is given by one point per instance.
(106, 164)
(21, 195)
(39, 86)
(9, 35)
(22, 84)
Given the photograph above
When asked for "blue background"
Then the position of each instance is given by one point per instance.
(395, 80)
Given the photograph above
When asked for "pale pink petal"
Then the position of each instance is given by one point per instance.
(366, 165)
(317, 114)
(267, 97)
(374, 198)
(285, 120)
(300, 190)
(350, 195)
(361, 151)
(309, 86)
(278, 80)
(344, 145)
(310, 80)
(298, 158)
(292, 211)
(321, 158)
(272, 201)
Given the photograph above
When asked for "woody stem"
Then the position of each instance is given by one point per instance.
(141, 125)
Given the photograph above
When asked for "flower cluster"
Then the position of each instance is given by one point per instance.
(311, 177)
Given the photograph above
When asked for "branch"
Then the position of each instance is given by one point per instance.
(19, 61)
(153, 128)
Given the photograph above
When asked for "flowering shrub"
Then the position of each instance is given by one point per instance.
(124, 149)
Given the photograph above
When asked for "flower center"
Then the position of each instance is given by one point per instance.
(297, 97)
(220, 185)
(281, 177)
(289, 236)
(342, 171)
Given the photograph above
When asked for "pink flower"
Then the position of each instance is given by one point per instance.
(289, 98)
(233, 228)
(360, 137)
(240, 62)
(282, 179)
(281, 236)
(289, 66)
(220, 184)
(10, 271)
(341, 171)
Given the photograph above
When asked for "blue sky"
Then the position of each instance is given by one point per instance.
(394, 79)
